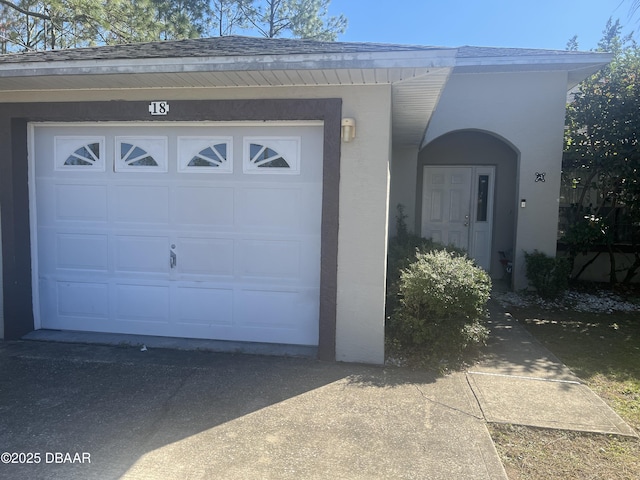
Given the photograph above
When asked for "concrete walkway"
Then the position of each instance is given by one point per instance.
(521, 382)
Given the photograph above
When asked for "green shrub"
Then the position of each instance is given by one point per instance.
(402, 250)
(548, 275)
(443, 297)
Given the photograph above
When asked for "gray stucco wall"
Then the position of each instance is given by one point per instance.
(527, 111)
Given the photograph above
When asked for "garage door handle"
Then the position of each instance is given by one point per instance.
(173, 259)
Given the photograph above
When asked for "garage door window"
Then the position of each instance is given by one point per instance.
(205, 155)
(79, 153)
(271, 155)
(146, 154)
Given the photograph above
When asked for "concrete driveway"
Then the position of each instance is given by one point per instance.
(84, 411)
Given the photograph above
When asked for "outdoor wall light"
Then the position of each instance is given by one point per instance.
(348, 129)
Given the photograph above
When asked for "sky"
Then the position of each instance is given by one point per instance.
(545, 24)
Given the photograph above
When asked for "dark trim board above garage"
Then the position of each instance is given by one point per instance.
(14, 187)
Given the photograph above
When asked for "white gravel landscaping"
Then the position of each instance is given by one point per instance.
(602, 302)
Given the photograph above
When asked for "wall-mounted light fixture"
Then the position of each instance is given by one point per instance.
(348, 129)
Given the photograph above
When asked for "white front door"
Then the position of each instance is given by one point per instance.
(457, 208)
(185, 230)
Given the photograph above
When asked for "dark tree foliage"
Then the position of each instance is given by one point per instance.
(34, 25)
(602, 157)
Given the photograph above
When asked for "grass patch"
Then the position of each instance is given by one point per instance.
(604, 351)
(534, 454)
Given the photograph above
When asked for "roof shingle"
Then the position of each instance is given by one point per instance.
(208, 47)
(476, 52)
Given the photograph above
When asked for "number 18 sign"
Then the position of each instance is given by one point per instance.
(159, 108)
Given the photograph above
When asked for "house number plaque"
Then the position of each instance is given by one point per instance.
(159, 108)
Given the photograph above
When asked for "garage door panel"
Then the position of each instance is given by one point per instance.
(142, 204)
(205, 256)
(142, 254)
(81, 203)
(47, 254)
(84, 324)
(270, 259)
(148, 303)
(269, 209)
(262, 313)
(310, 210)
(204, 306)
(78, 251)
(46, 204)
(82, 299)
(47, 296)
(203, 206)
(261, 308)
(309, 260)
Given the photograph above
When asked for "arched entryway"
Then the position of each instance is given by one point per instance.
(467, 194)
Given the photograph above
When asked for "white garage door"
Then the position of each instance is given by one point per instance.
(184, 230)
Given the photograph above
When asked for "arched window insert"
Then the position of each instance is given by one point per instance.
(87, 155)
(213, 156)
(134, 156)
(271, 155)
(148, 154)
(205, 154)
(79, 153)
(264, 157)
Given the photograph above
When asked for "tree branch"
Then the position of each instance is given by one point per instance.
(25, 12)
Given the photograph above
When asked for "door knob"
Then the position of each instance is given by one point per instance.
(173, 259)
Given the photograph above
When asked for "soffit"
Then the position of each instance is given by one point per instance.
(414, 101)
(415, 91)
(417, 76)
(249, 78)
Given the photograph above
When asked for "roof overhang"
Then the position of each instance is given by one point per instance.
(417, 75)
(237, 63)
(578, 65)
